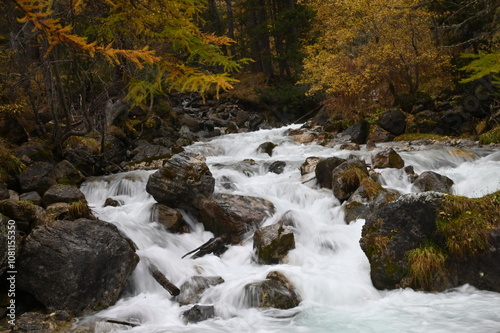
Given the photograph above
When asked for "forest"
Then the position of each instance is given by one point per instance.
(64, 62)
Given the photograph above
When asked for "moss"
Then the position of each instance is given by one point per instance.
(465, 223)
(492, 136)
(425, 263)
(421, 136)
(79, 209)
(10, 166)
(92, 144)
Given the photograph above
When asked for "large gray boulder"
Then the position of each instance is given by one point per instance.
(76, 266)
(62, 193)
(234, 215)
(182, 182)
(393, 121)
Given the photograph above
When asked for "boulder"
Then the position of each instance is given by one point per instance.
(272, 243)
(431, 181)
(112, 202)
(18, 210)
(368, 198)
(183, 181)
(277, 167)
(170, 218)
(349, 146)
(4, 192)
(305, 138)
(309, 165)
(62, 193)
(83, 159)
(430, 241)
(267, 148)
(393, 121)
(65, 173)
(424, 122)
(358, 132)
(234, 215)
(347, 177)
(192, 290)
(199, 313)
(324, 169)
(37, 177)
(76, 266)
(32, 196)
(387, 158)
(274, 292)
(378, 134)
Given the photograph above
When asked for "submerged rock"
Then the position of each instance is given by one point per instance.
(199, 313)
(272, 243)
(274, 292)
(76, 265)
(192, 290)
(267, 148)
(234, 215)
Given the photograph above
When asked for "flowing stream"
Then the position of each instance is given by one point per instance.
(327, 267)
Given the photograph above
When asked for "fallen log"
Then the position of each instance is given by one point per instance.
(119, 322)
(162, 279)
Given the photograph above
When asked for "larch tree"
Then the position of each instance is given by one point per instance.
(382, 50)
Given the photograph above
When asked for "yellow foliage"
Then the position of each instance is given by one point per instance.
(368, 47)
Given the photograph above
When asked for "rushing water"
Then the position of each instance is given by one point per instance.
(328, 267)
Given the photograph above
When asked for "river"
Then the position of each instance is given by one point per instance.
(327, 267)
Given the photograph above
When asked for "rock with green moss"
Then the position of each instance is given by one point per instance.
(276, 291)
(324, 168)
(347, 177)
(272, 243)
(184, 180)
(387, 158)
(62, 193)
(432, 241)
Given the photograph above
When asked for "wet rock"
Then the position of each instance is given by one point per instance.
(387, 158)
(432, 181)
(410, 171)
(368, 197)
(347, 177)
(358, 132)
(183, 181)
(324, 169)
(170, 218)
(274, 292)
(309, 165)
(199, 313)
(305, 138)
(76, 265)
(112, 202)
(349, 146)
(277, 167)
(267, 148)
(234, 215)
(67, 174)
(193, 289)
(393, 121)
(272, 243)
(62, 193)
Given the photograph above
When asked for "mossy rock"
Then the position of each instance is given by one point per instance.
(492, 136)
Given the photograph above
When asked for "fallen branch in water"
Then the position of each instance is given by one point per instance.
(162, 279)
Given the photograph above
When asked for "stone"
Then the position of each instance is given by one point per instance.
(305, 138)
(32, 196)
(309, 165)
(432, 181)
(76, 266)
(274, 292)
(4, 192)
(267, 148)
(112, 202)
(192, 290)
(378, 134)
(234, 215)
(67, 174)
(168, 217)
(393, 121)
(272, 243)
(324, 169)
(37, 178)
(199, 313)
(347, 177)
(183, 181)
(387, 158)
(277, 167)
(62, 193)
(358, 132)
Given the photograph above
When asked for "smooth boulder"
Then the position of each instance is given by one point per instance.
(272, 243)
(76, 265)
(276, 291)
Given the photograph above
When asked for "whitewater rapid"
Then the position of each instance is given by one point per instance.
(327, 267)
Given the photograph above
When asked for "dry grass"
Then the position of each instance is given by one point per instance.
(426, 262)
